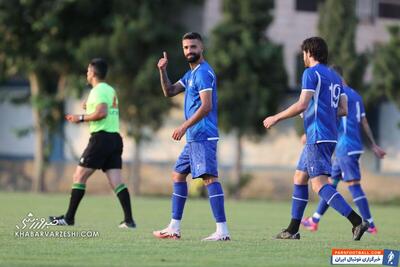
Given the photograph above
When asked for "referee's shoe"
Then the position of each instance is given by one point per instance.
(124, 224)
(60, 220)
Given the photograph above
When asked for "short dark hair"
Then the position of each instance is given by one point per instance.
(317, 48)
(100, 67)
(192, 36)
(338, 69)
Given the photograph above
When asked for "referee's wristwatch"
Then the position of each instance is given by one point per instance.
(81, 118)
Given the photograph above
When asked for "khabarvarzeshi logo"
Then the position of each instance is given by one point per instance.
(38, 227)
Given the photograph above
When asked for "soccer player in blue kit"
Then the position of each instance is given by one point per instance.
(321, 102)
(347, 154)
(199, 156)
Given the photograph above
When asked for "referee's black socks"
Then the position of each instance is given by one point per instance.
(123, 195)
(77, 193)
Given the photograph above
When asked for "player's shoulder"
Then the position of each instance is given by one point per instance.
(353, 93)
(204, 66)
(103, 86)
(309, 74)
(205, 70)
(333, 76)
(309, 71)
(187, 73)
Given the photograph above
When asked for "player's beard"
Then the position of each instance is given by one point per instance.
(192, 57)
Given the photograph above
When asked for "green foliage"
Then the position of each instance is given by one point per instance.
(337, 25)
(139, 36)
(249, 67)
(43, 34)
(385, 69)
(40, 38)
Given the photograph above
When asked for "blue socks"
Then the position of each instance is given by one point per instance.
(299, 201)
(216, 195)
(334, 199)
(322, 206)
(179, 197)
(360, 200)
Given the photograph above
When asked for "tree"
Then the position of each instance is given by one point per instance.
(250, 71)
(385, 65)
(37, 41)
(141, 31)
(337, 25)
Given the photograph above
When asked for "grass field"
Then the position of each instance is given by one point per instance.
(252, 225)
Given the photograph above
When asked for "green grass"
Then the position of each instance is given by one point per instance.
(252, 225)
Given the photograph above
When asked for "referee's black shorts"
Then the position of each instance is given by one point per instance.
(103, 151)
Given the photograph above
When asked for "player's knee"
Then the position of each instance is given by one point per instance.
(209, 180)
(317, 184)
(316, 187)
(178, 177)
(300, 178)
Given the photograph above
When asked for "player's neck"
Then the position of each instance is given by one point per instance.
(195, 64)
(313, 62)
(96, 82)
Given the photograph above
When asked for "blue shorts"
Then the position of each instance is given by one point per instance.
(316, 159)
(346, 168)
(199, 159)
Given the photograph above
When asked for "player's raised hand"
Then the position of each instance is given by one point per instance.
(163, 62)
(378, 151)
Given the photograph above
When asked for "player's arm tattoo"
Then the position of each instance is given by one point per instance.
(168, 88)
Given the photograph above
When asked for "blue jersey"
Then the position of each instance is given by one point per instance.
(349, 128)
(320, 117)
(200, 79)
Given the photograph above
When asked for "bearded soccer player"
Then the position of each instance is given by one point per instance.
(105, 145)
(320, 101)
(199, 156)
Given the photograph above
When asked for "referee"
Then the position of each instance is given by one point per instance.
(105, 145)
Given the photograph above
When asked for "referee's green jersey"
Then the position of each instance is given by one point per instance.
(103, 93)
